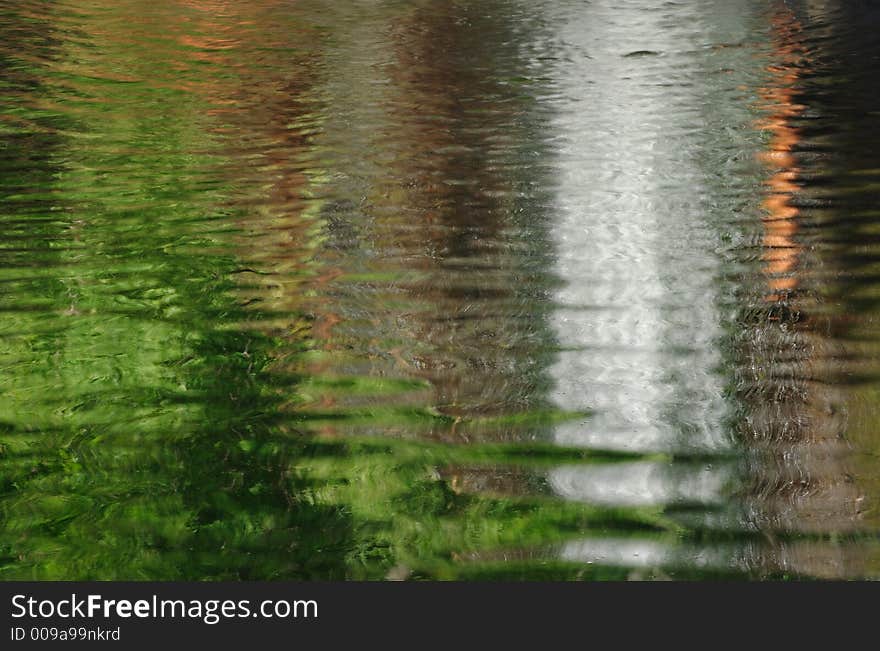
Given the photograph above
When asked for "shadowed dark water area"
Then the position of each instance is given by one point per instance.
(450, 290)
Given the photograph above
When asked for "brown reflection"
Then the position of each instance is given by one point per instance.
(795, 421)
(780, 97)
(463, 125)
(442, 278)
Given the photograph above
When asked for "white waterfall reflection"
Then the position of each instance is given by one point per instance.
(641, 483)
(638, 319)
(645, 554)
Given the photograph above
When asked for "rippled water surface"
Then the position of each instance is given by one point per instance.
(467, 289)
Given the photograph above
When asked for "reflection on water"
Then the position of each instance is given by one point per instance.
(781, 219)
(491, 289)
(638, 319)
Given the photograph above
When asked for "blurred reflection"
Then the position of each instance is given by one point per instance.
(637, 319)
(472, 290)
(796, 420)
(443, 257)
(789, 63)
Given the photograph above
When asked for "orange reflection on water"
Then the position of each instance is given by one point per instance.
(781, 249)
